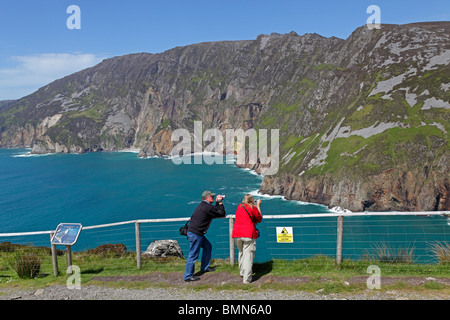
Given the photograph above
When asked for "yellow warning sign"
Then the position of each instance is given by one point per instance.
(285, 234)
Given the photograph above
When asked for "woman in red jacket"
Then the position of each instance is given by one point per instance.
(244, 231)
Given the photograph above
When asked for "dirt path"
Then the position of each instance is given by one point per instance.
(223, 278)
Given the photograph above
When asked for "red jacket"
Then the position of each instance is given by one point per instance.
(243, 225)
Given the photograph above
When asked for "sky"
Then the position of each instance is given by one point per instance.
(39, 44)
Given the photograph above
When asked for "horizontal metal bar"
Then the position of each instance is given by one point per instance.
(162, 220)
(265, 217)
(109, 225)
(18, 234)
(356, 214)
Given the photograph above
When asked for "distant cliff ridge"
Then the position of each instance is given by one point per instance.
(364, 122)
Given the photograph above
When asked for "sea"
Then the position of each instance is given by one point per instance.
(38, 192)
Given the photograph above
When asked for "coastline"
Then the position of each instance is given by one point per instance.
(253, 171)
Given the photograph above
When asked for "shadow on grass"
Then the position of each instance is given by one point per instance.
(92, 271)
(261, 269)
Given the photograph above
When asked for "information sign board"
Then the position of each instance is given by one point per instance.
(66, 234)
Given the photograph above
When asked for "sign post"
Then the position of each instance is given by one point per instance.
(65, 234)
(54, 257)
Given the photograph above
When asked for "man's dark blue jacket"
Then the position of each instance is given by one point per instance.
(203, 215)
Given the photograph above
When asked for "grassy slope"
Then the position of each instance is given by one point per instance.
(390, 148)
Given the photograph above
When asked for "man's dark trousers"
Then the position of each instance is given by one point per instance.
(196, 243)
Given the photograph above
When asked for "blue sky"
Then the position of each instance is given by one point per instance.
(37, 47)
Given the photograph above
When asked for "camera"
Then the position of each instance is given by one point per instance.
(222, 195)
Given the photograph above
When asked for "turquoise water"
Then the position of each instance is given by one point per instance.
(39, 192)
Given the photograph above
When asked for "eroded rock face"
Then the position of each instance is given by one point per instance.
(348, 111)
(393, 190)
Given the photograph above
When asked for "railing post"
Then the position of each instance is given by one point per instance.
(230, 232)
(137, 228)
(54, 256)
(340, 231)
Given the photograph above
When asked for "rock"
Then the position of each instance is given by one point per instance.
(320, 290)
(164, 248)
(39, 292)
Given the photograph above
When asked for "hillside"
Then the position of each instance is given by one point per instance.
(364, 122)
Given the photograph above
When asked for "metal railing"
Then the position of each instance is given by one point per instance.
(339, 234)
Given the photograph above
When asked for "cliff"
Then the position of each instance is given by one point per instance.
(364, 122)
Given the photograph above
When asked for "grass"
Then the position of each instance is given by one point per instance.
(384, 253)
(363, 154)
(322, 272)
(442, 251)
(291, 141)
(95, 113)
(361, 113)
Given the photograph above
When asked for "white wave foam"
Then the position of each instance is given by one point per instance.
(204, 153)
(196, 154)
(130, 150)
(256, 193)
(20, 155)
(339, 210)
(253, 172)
(29, 154)
(151, 157)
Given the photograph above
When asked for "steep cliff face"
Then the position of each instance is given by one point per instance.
(364, 122)
(392, 190)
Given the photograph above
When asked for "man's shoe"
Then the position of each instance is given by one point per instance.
(193, 278)
(210, 269)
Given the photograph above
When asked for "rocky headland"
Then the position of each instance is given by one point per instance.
(364, 122)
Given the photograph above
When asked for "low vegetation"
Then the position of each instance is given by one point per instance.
(384, 253)
(26, 264)
(442, 251)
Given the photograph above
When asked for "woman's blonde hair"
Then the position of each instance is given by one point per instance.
(248, 199)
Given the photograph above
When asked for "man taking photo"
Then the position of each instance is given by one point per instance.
(198, 226)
